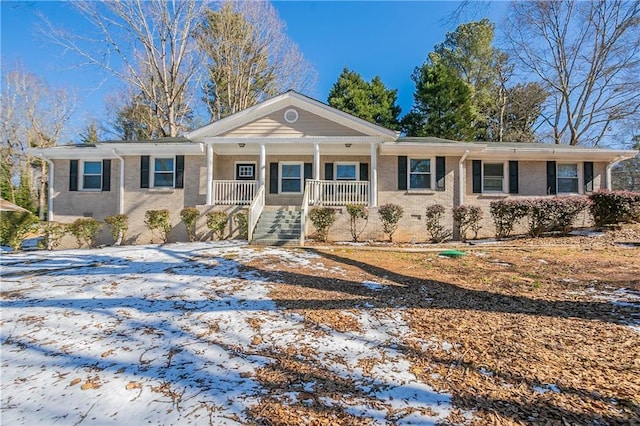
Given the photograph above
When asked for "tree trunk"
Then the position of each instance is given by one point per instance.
(42, 191)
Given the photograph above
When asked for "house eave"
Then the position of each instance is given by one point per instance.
(553, 154)
(113, 150)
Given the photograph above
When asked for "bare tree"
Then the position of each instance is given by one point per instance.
(250, 58)
(34, 115)
(587, 55)
(148, 45)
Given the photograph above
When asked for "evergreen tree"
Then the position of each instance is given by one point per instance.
(442, 105)
(371, 101)
(469, 53)
(24, 192)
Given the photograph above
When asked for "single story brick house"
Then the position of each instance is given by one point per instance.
(280, 158)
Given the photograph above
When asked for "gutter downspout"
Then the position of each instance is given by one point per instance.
(608, 170)
(121, 186)
(460, 177)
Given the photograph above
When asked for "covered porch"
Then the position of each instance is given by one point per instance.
(291, 173)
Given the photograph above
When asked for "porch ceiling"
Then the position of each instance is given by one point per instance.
(292, 149)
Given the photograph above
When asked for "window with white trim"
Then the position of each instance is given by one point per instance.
(346, 171)
(91, 176)
(567, 178)
(245, 171)
(493, 177)
(291, 177)
(164, 172)
(420, 174)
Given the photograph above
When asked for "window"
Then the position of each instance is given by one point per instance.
(163, 172)
(245, 171)
(346, 171)
(567, 178)
(420, 175)
(92, 175)
(493, 177)
(291, 178)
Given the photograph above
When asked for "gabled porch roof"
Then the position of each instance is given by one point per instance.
(356, 130)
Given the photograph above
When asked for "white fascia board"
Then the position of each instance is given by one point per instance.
(71, 153)
(551, 154)
(155, 148)
(105, 151)
(290, 99)
(433, 149)
(293, 140)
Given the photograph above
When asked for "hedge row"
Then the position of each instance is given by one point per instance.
(16, 226)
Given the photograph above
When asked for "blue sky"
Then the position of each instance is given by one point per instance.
(388, 39)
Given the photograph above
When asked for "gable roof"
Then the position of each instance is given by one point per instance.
(290, 99)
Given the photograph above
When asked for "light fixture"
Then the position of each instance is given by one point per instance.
(241, 144)
(348, 145)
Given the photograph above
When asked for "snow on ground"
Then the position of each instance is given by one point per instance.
(167, 334)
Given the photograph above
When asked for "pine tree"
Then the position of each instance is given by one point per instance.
(442, 105)
(371, 101)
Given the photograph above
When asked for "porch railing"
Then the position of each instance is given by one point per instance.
(233, 192)
(337, 193)
(255, 210)
(331, 193)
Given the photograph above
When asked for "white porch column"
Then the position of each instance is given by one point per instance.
(209, 174)
(316, 161)
(461, 177)
(263, 165)
(373, 179)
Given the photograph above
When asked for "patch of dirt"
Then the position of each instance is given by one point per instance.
(519, 334)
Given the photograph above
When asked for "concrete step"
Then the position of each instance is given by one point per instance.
(276, 242)
(278, 226)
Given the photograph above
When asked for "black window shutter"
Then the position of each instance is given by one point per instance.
(402, 172)
(179, 171)
(588, 176)
(477, 176)
(364, 171)
(273, 178)
(308, 171)
(328, 171)
(551, 177)
(144, 171)
(440, 173)
(106, 175)
(513, 177)
(73, 175)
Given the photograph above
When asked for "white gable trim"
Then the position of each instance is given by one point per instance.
(289, 99)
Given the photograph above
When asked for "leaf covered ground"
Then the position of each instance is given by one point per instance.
(209, 333)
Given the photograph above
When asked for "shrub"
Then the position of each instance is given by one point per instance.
(506, 214)
(189, 215)
(217, 222)
(52, 233)
(565, 211)
(357, 212)
(435, 229)
(540, 215)
(158, 220)
(118, 226)
(390, 215)
(613, 207)
(15, 226)
(242, 222)
(322, 219)
(85, 230)
(467, 218)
